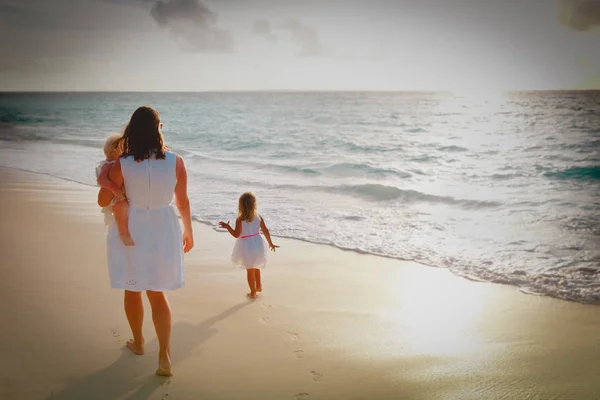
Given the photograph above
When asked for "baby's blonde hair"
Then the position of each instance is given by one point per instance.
(113, 142)
(247, 207)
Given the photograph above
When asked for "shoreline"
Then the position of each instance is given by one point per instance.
(198, 220)
(330, 323)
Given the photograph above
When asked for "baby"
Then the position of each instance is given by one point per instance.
(118, 206)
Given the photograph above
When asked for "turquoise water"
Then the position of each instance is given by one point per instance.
(503, 188)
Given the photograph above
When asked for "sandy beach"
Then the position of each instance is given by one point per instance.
(330, 324)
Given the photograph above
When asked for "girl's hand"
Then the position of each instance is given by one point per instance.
(223, 224)
(273, 246)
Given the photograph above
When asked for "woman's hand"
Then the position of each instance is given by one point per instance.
(224, 225)
(188, 241)
(273, 246)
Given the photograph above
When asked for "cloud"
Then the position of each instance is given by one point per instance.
(305, 37)
(193, 21)
(580, 15)
(263, 28)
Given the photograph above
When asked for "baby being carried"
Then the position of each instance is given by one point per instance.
(118, 209)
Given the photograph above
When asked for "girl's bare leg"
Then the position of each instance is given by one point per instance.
(257, 279)
(161, 316)
(121, 211)
(134, 309)
(251, 282)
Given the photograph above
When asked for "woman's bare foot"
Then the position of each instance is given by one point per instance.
(259, 289)
(251, 296)
(164, 367)
(135, 348)
(126, 239)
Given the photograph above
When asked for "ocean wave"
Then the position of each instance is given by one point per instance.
(191, 154)
(352, 168)
(503, 177)
(347, 169)
(573, 282)
(16, 117)
(294, 169)
(452, 149)
(376, 192)
(423, 158)
(576, 173)
(370, 148)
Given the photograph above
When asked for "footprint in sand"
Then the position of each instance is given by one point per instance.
(116, 334)
(165, 384)
(303, 395)
(316, 376)
(266, 320)
(299, 353)
(293, 335)
(268, 306)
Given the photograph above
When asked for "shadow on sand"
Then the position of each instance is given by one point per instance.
(132, 377)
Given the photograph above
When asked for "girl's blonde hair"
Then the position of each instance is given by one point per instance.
(113, 142)
(247, 207)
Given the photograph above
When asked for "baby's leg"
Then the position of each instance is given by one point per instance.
(121, 211)
(257, 279)
(251, 282)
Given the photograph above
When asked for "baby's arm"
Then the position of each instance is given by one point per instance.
(105, 182)
(267, 234)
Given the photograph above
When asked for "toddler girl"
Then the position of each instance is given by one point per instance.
(250, 250)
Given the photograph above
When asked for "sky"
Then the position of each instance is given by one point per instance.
(228, 45)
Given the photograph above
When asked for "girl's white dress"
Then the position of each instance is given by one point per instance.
(250, 250)
(156, 261)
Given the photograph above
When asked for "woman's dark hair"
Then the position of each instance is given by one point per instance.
(142, 138)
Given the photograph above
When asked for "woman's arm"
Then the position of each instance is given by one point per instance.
(234, 232)
(183, 204)
(263, 228)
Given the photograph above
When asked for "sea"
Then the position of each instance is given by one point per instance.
(494, 187)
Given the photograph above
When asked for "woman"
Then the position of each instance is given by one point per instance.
(151, 176)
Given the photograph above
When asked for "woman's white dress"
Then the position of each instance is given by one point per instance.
(250, 250)
(156, 261)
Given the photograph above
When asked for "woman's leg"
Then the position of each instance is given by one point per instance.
(134, 309)
(251, 275)
(161, 316)
(257, 279)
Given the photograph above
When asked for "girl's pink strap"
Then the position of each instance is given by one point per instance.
(249, 236)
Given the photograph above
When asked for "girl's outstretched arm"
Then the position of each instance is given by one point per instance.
(234, 232)
(265, 231)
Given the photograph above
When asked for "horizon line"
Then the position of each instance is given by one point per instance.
(283, 91)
